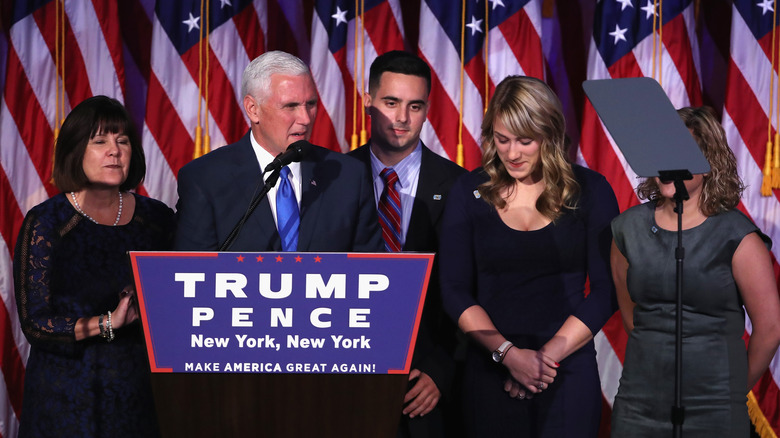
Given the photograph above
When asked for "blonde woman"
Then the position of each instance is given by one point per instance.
(520, 237)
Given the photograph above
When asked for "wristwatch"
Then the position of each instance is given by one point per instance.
(500, 352)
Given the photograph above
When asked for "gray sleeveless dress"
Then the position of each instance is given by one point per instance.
(714, 376)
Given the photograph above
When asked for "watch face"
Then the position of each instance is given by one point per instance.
(497, 357)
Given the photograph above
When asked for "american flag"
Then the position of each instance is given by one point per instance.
(343, 48)
(154, 56)
(453, 34)
(746, 116)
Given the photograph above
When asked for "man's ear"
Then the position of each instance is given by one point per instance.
(252, 109)
(367, 101)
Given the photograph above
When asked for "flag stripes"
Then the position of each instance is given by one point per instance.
(148, 54)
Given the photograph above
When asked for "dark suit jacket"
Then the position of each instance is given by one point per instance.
(436, 336)
(338, 213)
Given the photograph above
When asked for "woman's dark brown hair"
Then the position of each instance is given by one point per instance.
(94, 116)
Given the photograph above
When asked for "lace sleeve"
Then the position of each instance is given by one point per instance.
(32, 275)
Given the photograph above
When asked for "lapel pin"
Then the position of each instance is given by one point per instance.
(476, 194)
(314, 183)
(437, 197)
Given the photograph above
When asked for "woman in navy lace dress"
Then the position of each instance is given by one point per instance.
(88, 373)
(520, 236)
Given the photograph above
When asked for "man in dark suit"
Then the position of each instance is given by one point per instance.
(334, 201)
(397, 101)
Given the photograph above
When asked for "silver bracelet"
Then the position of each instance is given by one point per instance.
(110, 328)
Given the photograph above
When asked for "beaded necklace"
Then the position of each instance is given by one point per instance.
(118, 213)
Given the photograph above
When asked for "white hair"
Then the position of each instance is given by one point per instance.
(256, 79)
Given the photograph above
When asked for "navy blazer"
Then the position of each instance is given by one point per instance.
(436, 338)
(338, 213)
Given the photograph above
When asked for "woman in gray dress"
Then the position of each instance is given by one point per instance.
(727, 266)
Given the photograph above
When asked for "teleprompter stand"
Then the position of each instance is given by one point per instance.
(655, 142)
(678, 177)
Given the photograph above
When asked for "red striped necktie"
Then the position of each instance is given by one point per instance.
(390, 211)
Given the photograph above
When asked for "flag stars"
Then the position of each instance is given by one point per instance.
(624, 4)
(340, 16)
(475, 25)
(497, 3)
(192, 23)
(649, 9)
(619, 34)
(766, 6)
(224, 3)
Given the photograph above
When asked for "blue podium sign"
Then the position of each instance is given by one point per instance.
(226, 312)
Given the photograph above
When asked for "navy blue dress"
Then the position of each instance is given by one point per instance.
(529, 283)
(67, 267)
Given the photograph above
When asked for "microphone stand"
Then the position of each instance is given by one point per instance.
(269, 183)
(680, 195)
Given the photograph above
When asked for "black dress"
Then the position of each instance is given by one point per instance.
(714, 374)
(529, 283)
(67, 267)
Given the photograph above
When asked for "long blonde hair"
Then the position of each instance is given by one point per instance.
(528, 108)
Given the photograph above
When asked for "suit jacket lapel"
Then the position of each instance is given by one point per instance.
(260, 227)
(427, 207)
(311, 203)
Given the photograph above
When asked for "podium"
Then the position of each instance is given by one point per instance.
(280, 344)
(278, 405)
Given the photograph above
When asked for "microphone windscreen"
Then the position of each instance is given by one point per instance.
(300, 148)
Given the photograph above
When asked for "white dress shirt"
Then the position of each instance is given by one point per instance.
(264, 158)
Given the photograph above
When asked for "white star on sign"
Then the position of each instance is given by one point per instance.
(649, 9)
(766, 6)
(619, 34)
(474, 25)
(624, 4)
(192, 22)
(340, 16)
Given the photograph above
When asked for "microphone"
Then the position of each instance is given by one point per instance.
(294, 153)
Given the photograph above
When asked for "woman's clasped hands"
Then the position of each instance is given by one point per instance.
(531, 372)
